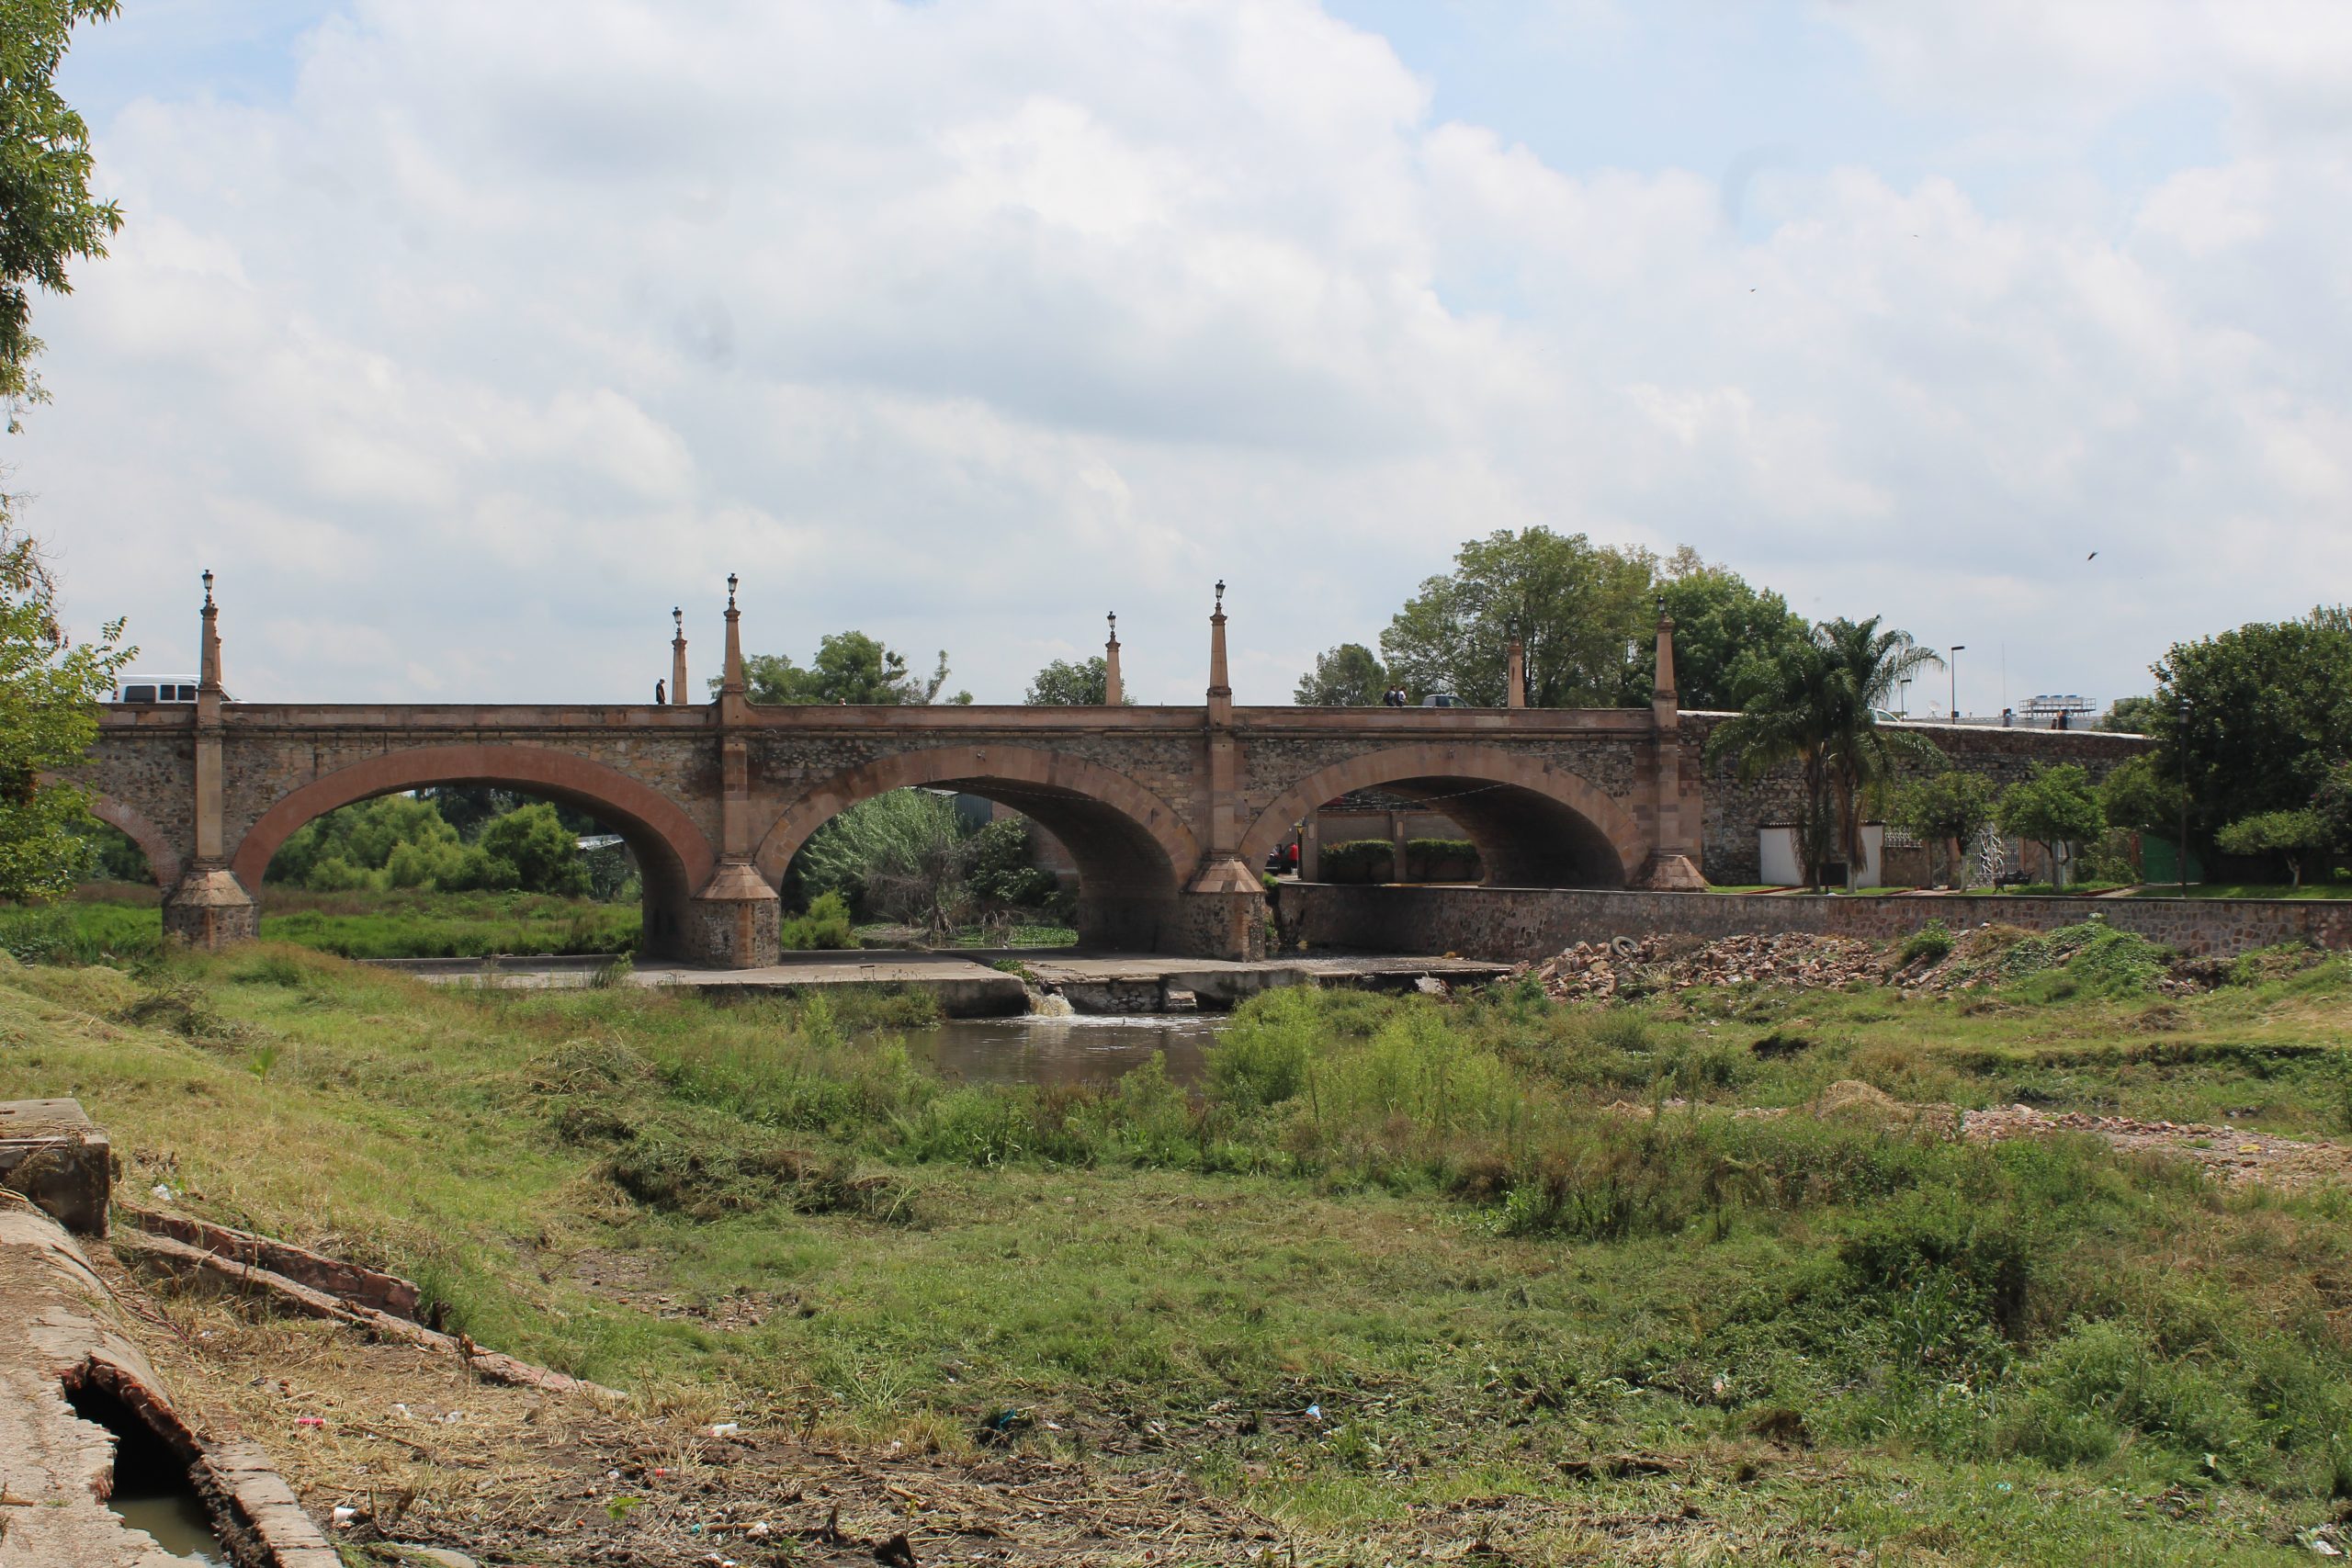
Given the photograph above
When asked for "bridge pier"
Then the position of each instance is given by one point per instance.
(210, 909)
(734, 923)
(1224, 914)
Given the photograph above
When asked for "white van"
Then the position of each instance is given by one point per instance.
(156, 689)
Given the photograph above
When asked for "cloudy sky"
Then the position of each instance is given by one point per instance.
(462, 340)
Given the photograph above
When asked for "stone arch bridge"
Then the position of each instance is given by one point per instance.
(1169, 812)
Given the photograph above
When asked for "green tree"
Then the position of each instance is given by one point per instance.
(1864, 756)
(2270, 712)
(47, 216)
(1348, 676)
(1948, 809)
(1582, 610)
(48, 691)
(1785, 703)
(1720, 620)
(362, 838)
(543, 852)
(1005, 874)
(2333, 801)
(849, 667)
(1812, 704)
(2053, 806)
(114, 855)
(1067, 683)
(2138, 794)
(905, 855)
(2130, 716)
(2292, 836)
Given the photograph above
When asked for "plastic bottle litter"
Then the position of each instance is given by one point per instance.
(1314, 1411)
(724, 1429)
(343, 1515)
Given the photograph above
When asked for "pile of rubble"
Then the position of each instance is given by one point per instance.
(1636, 966)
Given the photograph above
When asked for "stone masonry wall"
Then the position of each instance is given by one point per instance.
(1736, 810)
(1512, 923)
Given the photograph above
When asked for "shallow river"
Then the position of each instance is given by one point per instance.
(1072, 1050)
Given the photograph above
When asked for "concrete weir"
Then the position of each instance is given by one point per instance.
(967, 986)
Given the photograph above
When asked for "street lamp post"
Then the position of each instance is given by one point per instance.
(1953, 664)
(2180, 849)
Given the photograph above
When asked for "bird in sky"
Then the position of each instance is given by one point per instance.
(2092, 556)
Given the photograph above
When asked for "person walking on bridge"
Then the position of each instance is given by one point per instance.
(660, 693)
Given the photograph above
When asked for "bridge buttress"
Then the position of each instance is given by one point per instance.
(1223, 903)
(735, 920)
(210, 908)
(1672, 866)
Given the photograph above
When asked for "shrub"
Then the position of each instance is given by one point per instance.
(1931, 942)
(1359, 860)
(825, 925)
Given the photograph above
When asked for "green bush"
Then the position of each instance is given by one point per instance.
(1449, 860)
(826, 925)
(1931, 942)
(1359, 860)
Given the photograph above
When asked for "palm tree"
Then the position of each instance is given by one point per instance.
(1869, 664)
(1812, 703)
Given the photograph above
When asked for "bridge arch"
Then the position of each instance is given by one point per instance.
(674, 856)
(1536, 826)
(1132, 850)
(162, 858)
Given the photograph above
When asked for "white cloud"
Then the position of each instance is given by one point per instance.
(963, 324)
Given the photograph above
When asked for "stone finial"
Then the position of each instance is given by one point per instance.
(209, 671)
(1114, 689)
(1220, 688)
(678, 657)
(1515, 674)
(731, 679)
(1664, 690)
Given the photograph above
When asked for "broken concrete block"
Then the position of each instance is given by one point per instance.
(51, 1153)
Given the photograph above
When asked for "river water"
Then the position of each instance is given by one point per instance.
(1066, 1050)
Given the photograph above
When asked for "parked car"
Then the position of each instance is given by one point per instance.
(1442, 700)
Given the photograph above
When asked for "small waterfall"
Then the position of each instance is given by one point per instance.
(1048, 1004)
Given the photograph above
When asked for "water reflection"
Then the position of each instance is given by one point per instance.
(179, 1524)
(1081, 1050)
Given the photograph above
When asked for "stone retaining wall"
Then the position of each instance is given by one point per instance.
(1512, 923)
(1735, 811)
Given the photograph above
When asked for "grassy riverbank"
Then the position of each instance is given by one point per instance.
(109, 921)
(1516, 1309)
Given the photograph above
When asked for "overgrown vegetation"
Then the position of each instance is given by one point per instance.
(1492, 1236)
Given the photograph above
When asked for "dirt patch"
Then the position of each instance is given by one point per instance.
(634, 1280)
(2231, 1153)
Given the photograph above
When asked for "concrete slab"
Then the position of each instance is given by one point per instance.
(51, 1153)
(57, 1468)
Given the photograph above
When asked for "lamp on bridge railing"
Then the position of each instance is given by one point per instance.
(207, 587)
(731, 590)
